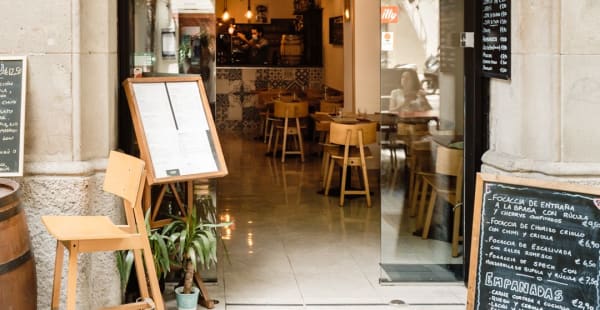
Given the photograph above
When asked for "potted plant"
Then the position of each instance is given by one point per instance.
(159, 245)
(193, 244)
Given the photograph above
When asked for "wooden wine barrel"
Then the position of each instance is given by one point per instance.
(18, 288)
(291, 49)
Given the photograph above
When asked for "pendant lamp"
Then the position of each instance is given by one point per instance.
(225, 16)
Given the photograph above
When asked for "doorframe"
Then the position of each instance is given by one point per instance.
(476, 115)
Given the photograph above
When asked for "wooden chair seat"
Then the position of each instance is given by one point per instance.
(125, 177)
(83, 228)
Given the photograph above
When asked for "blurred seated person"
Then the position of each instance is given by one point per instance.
(256, 47)
(409, 97)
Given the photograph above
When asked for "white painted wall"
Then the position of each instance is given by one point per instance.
(366, 63)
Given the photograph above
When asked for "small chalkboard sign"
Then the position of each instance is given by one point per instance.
(536, 245)
(495, 38)
(13, 77)
(175, 129)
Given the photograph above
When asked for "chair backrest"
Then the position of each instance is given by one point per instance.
(290, 109)
(125, 177)
(449, 162)
(329, 107)
(338, 133)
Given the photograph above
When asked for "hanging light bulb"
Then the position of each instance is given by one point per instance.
(225, 16)
(249, 12)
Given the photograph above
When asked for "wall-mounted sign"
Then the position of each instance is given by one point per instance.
(389, 14)
(495, 39)
(535, 245)
(12, 114)
(387, 41)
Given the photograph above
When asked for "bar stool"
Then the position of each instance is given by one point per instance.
(353, 138)
(291, 126)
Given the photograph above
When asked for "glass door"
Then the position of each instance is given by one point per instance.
(422, 89)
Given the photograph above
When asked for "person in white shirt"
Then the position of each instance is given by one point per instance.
(410, 97)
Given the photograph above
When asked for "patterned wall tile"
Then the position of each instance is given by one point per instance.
(236, 111)
(261, 84)
(235, 74)
(223, 74)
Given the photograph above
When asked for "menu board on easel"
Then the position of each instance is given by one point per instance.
(175, 129)
(12, 114)
(536, 245)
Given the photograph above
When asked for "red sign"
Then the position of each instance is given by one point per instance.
(389, 14)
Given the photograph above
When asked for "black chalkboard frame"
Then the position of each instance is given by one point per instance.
(494, 73)
(481, 181)
(17, 171)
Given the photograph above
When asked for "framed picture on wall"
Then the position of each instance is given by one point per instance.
(336, 30)
(262, 14)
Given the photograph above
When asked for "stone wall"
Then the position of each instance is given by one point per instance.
(543, 122)
(70, 126)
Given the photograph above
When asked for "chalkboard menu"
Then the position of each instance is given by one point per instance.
(495, 32)
(451, 25)
(174, 128)
(536, 245)
(12, 114)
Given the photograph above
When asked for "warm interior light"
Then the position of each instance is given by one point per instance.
(225, 16)
(249, 12)
(347, 8)
(231, 29)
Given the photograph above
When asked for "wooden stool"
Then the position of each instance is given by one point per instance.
(290, 113)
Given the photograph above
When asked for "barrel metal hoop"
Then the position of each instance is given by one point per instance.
(15, 263)
(10, 213)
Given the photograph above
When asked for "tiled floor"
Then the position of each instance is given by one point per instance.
(292, 248)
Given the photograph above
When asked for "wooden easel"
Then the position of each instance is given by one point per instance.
(174, 110)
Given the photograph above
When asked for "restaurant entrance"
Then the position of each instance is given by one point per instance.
(426, 72)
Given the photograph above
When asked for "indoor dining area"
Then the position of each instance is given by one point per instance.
(338, 160)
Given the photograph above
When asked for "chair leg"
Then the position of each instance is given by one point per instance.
(414, 194)
(421, 211)
(271, 129)
(72, 276)
(429, 217)
(456, 231)
(299, 133)
(324, 167)
(58, 261)
(141, 275)
(366, 182)
(154, 289)
(343, 185)
(329, 175)
(284, 143)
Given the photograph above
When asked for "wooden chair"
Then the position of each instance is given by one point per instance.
(125, 177)
(445, 183)
(353, 138)
(291, 114)
(326, 106)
